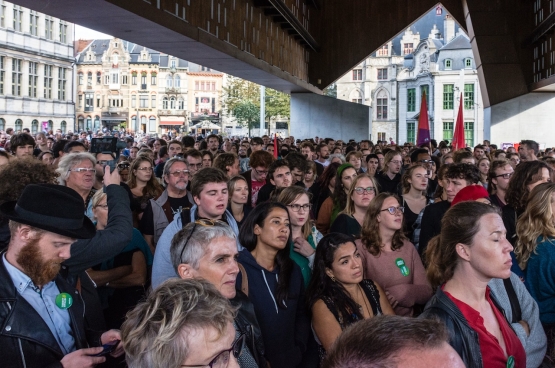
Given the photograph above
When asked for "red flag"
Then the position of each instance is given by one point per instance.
(458, 137)
(275, 146)
(423, 122)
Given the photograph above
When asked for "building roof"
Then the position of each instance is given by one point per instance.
(460, 42)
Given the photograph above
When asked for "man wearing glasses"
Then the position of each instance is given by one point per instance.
(160, 211)
(260, 161)
(194, 161)
(500, 175)
(197, 317)
(193, 251)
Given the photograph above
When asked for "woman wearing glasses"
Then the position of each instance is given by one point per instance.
(143, 185)
(390, 259)
(359, 196)
(304, 236)
(415, 183)
(275, 284)
(338, 295)
(123, 168)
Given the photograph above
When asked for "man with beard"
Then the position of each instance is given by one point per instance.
(42, 314)
(243, 158)
(160, 211)
(323, 152)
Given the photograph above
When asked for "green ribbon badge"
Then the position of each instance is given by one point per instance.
(511, 362)
(399, 262)
(64, 300)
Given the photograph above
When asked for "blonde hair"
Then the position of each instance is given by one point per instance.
(350, 206)
(536, 222)
(97, 197)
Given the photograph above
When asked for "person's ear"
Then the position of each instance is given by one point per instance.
(197, 200)
(463, 251)
(185, 271)
(329, 273)
(257, 230)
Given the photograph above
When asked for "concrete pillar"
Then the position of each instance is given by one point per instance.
(314, 115)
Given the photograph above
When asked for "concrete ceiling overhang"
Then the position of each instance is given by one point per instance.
(141, 23)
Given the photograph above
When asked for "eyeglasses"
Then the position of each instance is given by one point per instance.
(222, 359)
(297, 207)
(145, 168)
(83, 169)
(505, 176)
(123, 166)
(367, 190)
(202, 222)
(261, 172)
(103, 206)
(396, 162)
(177, 173)
(393, 210)
(425, 161)
(196, 166)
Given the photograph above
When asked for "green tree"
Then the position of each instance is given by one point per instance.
(247, 114)
(277, 104)
(331, 90)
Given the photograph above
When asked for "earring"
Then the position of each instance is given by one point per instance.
(332, 278)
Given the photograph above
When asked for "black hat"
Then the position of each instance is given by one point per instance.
(54, 208)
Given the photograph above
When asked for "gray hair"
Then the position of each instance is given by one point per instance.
(68, 161)
(168, 165)
(196, 237)
(339, 156)
(155, 334)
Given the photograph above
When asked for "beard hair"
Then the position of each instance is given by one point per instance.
(33, 264)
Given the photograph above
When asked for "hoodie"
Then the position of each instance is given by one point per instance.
(285, 331)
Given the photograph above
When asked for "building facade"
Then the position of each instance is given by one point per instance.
(36, 71)
(122, 84)
(394, 79)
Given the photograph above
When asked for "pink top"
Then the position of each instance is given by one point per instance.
(400, 273)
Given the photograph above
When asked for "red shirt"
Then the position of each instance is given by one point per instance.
(256, 185)
(492, 354)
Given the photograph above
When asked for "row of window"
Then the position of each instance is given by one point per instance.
(382, 74)
(170, 103)
(35, 79)
(18, 125)
(34, 24)
(114, 78)
(448, 130)
(448, 63)
(448, 96)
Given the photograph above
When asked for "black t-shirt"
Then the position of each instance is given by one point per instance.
(147, 221)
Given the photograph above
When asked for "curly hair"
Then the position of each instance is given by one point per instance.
(370, 233)
(526, 173)
(17, 174)
(466, 172)
(536, 222)
(224, 160)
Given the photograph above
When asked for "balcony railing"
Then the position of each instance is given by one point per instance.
(115, 110)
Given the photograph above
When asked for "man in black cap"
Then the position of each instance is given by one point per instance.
(41, 313)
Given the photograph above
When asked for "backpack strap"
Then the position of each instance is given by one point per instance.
(515, 305)
(185, 216)
(244, 280)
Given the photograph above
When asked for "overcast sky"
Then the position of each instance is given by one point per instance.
(88, 34)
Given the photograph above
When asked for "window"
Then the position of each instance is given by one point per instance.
(177, 81)
(468, 63)
(133, 101)
(382, 108)
(62, 84)
(143, 101)
(448, 96)
(153, 79)
(80, 79)
(356, 96)
(468, 96)
(196, 86)
(425, 89)
(382, 74)
(448, 64)
(448, 131)
(2, 71)
(96, 122)
(48, 81)
(411, 132)
(151, 124)
(98, 78)
(89, 79)
(33, 23)
(63, 33)
(17, 15)
(411, 99)
(357, 74)
(469, 133)
(213, 86)
(33, 79)
(181, 104)
(48, 28)
(383, 51)
(89, 123)
(115, 77)
(169, 81)
(165, 103)
(80, 104)
(143, 81)
(202, 86)
(381, 136)
(356, 100)
(153, 101)
(18, 125)
(124, 79)
(3, 17)
(34, 126)
(98, 102)
(173, 63)
(172, 103)
(408, 48)
(134, 79)
(106, 79)
(63, 126)
(81, 124)
(89, 102)
(16, 77)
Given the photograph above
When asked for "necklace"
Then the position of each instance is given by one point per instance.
(365, 302)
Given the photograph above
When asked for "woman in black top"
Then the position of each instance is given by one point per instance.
(238, 197)
(415, 183)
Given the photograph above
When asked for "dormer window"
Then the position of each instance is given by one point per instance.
(468, 63)
(448, 64)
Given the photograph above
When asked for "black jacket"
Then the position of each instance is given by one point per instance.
(25, 339)
(247, 323)
(461, 336)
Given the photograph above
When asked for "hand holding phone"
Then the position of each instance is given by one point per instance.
(107, 348)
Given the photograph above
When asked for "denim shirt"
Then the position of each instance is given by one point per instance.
(44, 303)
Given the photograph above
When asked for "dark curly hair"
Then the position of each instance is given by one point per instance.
(467, 172)
(526, 173)
(18, 173)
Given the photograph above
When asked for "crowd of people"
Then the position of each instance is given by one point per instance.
(274, 252)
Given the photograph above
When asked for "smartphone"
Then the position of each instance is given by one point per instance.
(108, 348)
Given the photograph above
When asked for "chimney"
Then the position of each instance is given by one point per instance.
(448, 28)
